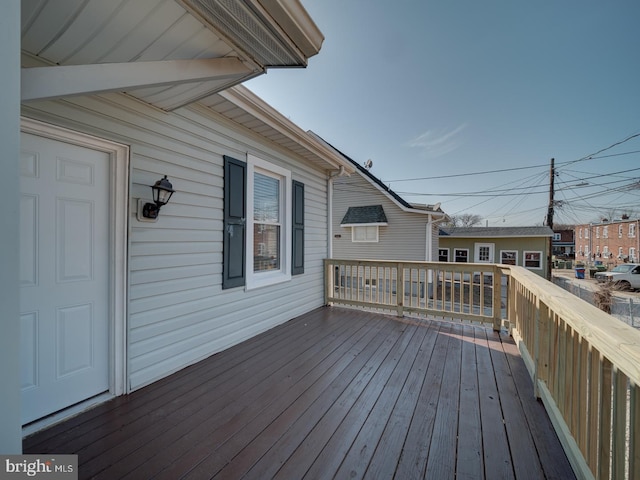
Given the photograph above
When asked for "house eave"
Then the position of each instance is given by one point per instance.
(290, 133)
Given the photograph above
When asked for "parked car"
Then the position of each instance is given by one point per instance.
(626, 275)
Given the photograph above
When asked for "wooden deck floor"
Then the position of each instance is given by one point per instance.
(336, 393)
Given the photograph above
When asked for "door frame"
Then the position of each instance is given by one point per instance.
(476, 252)
(118, 241)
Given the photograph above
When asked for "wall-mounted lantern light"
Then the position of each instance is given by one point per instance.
(162, 191)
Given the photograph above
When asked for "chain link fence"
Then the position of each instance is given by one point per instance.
(626, 309)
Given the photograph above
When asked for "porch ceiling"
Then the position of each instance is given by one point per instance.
(252, 34)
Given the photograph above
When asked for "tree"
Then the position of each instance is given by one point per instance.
(464, 220)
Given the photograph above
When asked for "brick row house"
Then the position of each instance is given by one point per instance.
(609, 242)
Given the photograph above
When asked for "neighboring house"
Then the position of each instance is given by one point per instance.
(524, 246)
(563, 242)
(111, 300)
(611, 243)
(371, 221)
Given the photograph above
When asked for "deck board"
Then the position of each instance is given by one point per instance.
(336, 393)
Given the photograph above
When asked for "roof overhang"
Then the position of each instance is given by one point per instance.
(243, 107)
(166, 53)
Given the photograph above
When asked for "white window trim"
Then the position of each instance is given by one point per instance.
(448, 254)
(353, 227)
(283, 274)
(460, 250)
(508, 251)
(492, 252)
(524, 259)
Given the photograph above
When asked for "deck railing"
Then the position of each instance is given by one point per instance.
(585, 364)
(470, 291)
(586, 369)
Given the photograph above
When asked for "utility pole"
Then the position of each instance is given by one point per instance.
(549, 221)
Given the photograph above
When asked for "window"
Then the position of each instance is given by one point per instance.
(509, 257)
(267, 221)
(620, 254)
(484, 252)
(443, 254)
(461, 255)
(533, 260)
(586, 232)
(263, 236)
(580, 233)
(632, 230)
(605, 232)
(365, 222)
(605, 252)
(557, 237)
(364, 233)
(620, 231)
(632, 255)
(597, 232)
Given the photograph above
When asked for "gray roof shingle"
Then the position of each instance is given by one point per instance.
(367, 214)
(496, 232)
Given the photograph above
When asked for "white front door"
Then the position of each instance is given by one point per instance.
(64, 266)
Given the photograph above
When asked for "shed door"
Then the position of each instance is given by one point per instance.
(64, 267)
(484, 253)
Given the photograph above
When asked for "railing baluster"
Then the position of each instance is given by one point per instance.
(634, 431)
(606, 404)
(619, 443)
(595, 382)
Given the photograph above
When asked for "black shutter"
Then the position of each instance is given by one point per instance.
(297, 264)
(234, 246)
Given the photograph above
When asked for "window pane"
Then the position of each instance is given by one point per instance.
(266, 247)
(461, 256)
(508, 257)
(533, 259)
(266, 199)
(365, 234)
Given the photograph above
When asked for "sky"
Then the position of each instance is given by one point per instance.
(465, 103)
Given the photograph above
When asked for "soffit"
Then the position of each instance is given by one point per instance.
(90, 32)
(243, 107)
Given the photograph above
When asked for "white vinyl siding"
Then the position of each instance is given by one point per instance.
(403, 238)
(178, 313)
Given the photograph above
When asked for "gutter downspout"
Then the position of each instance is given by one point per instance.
(330, 217)
(430, 223)
(335, 173)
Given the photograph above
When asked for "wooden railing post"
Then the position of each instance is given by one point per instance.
(497, 299)
(400, 289)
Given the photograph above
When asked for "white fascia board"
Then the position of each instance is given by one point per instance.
(402, 207)
(248, 101)
(41, 83)
(292, 17)
(374, 224)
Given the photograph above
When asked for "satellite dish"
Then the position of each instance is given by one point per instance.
(368, 164)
